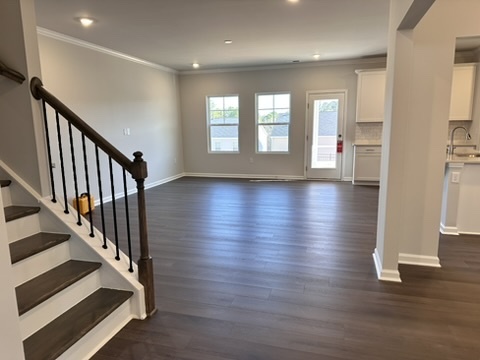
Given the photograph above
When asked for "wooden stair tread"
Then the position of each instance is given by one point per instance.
(5, 183)
(16, 212)
(31, 245)
(56, 337)
(44, 286)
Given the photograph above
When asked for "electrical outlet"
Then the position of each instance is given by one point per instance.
(455, 177)
(126, 131)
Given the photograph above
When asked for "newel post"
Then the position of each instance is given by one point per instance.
(145, 263)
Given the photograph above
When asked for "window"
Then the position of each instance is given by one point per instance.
(273, 122)
(222, 119)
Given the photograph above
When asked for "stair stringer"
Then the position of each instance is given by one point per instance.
(10, 333)
(113, 274)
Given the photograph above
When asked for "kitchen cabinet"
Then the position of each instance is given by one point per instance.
(461, 198)
(366, 164)
(370, 95)
(463, 84)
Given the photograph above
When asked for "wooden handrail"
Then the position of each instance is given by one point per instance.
(137, 168)
(11, 74)
(39, 93)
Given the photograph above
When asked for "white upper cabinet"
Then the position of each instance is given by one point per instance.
(371, 95)
(463, 84)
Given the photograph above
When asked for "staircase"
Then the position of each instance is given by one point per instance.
(65, 312)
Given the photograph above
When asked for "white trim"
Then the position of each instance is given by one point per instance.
(358, 71)
(209, 125)
(246, 176)
(115, 272)
(468, 233)
(164, 181)
(348, 178)
(257, 124)
(357, 61)
(74, 41)
(343, 131)
(366, 183)
(419, 260)
(107, 199)
(382, 274)
(448, 230)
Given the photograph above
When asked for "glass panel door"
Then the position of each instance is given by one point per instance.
(324, 160)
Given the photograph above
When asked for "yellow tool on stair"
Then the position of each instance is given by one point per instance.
(81, 203)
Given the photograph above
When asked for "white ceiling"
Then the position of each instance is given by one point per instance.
(177, 33)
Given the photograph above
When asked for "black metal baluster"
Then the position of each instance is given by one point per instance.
(49, 151)
(87, 181)
(74, 168)
(127, 218)
(100, 194)
(114, 209)
(62, 164)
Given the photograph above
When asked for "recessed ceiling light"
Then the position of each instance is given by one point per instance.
(293, 1)
(85, 21)
(228, 42)
(196, 65)
(316, 56)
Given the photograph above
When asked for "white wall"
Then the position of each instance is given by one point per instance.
(20, 144)
(419, 79)
(194, 88)
(21, 141)
(111, 94)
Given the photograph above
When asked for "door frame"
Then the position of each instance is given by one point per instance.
(309, 93)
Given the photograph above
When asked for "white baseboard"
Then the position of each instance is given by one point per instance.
(384, 274)
(448, 230)
(246, 176)
(163, 181)
(366, 183)
(347, 178)
(468, 233)
(419, 260)
(107, 199)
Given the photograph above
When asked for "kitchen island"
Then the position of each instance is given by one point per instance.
(461, 196)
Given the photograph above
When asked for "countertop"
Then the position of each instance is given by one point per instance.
(463, 159)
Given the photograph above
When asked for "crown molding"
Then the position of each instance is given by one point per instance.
(357, 61)
(74, 41)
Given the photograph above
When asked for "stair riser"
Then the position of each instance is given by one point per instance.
(38, 264)
(47, 311)
(23, 227)
(87, 346)
(7, 199)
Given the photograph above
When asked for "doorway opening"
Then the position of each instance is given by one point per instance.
(324, 135)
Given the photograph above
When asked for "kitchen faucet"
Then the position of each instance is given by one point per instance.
(450, 146)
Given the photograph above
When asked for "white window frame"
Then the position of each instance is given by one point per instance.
(257, 124)
(209, 125)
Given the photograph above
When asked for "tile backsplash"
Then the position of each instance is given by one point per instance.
(368, 132)
(373, 132)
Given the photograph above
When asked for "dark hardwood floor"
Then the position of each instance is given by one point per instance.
(283, 270)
